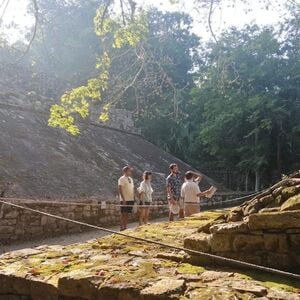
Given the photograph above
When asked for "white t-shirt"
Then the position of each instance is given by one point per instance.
(146, 188)
(189, 191)
(127, 185)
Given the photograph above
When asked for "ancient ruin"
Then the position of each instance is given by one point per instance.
(45, 163)
(264, 230)
(116, 267)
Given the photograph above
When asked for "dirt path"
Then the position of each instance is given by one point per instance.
(66, 239)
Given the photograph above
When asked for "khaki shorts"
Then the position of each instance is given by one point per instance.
(191, 209)
(180, 203)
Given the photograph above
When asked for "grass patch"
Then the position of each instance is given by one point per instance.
(273, 281)
(190, 269)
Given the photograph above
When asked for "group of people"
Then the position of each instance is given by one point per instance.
(183, 197)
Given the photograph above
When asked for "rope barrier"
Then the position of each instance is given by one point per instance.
(138, 205)
(192, 252)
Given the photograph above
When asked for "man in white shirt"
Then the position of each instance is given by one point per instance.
(126, 194)
(190, 193)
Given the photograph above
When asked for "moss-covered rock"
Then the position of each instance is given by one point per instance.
(290, 192)
(274, 220)
(118, 267)
(293, 203)
(166, 288)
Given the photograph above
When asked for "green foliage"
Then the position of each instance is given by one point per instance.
(76, 102)
(247, 104)
(155, 50)
(230, 105)
(65, 45)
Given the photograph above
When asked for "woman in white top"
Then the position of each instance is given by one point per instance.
(145, 193)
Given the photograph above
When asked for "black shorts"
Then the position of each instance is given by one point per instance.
(146, 203)
(127, 209)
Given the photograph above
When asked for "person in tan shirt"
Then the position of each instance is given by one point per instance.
(190, 193)
(126, 194)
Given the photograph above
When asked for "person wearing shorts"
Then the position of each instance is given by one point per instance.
(126, 194)
(190, 193)
(173, 192)
(145, 193)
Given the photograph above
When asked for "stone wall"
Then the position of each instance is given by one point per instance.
(120, 268)
(264, 230)
(270, 239)
(17, 224)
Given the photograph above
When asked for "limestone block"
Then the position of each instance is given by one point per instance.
(87, 208)
(211, 292)
(198, 242)
(45, 220)
(266, 200)
(228, 228)
(78, 210)
(69, 215)
(43, 290)
(221, 243)
(164, 255)
(209, 276)
(295, 230)
(253, 207)
(248, 287)
(9, 222)
(253, 258)
(277, 192)
(122, 291)
(275, 220)
(50, 227)
(293, 203)
(269, 209)
(73, 226)
(12, 214)
(86, 214)
(247, 242)
(14, 297)
(294, 241)
(79, 282)
(206, 227)
(276, 242)
(163, 288)
(62, 225)
(64, 209)
(19, 231)
(290, 191)
(282, 295)
(7, 229)
(36, 222)
(276, 202)
(280, 260)
(11, 284)
(296, 260)
(34, 230)
(235, 215)
(5, 237)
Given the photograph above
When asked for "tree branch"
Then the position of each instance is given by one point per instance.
(210, 13)
(36, 18)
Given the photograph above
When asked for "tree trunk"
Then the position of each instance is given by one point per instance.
(257, 181)
(246, 181)
(279, 156)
